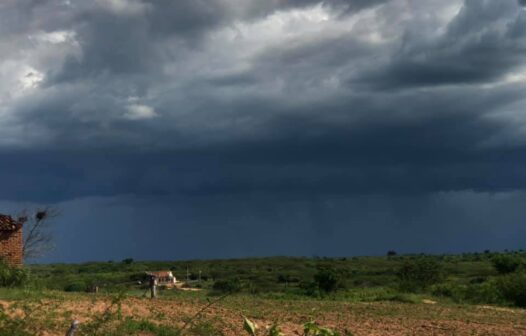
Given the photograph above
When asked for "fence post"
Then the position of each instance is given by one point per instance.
(73, 328)
(153, 287)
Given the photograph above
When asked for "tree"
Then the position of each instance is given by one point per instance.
(420, 273)
(38, 239)
(505, 263)
(513, 288)
(232, 285)
(391, 253)
(327, 279)
(127, 261)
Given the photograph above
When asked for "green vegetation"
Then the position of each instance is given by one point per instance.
(309, 329)
(505, 263)
(420, 273)
(492, 278)
(512, 287)
(12, 276)
(475, 278)
(232, 285)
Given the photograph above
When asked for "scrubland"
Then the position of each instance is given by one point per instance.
(470, 294)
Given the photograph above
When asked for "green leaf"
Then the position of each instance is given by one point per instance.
(250, 327)
(275, 331)
(312, 329)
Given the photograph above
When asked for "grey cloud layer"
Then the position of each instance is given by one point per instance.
(471, 50)
(316, 124)
(198, 97)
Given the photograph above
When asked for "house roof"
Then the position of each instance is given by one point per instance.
(7, 223)
(160, 274)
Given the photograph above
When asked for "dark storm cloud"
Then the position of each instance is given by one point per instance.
(480, 44)
(183, 107)
(346, 137)
(441, 151)
(137, 39)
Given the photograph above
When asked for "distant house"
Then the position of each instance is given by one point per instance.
(163, 278)
(11, 241)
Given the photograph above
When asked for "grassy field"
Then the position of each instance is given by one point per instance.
(470, 294)
(50, 313)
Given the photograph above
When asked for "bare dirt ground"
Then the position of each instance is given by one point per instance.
(378, 318)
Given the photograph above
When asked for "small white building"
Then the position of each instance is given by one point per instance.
(163, 278)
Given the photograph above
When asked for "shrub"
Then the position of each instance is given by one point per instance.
(127, 261)
(283, 278)
(485, 292)
(309, 329)
(232, 285)
(447, 290)
(12, 276)
(513, 288)
(327, 280)
(138, 327)
(477, 280)
(310, 288)
(77, 286)
(505, 264)
(420, 273)
(205, 328)
(391, 253)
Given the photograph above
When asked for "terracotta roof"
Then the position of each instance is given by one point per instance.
(159, 274)
(7, 223)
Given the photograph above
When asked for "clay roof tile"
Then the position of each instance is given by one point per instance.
(7, 223)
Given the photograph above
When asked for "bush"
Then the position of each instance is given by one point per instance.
(205, 328)
(309, 329)
(391, 253)
(232, 285)
(418, 274)
(77, 286)
(127, 261)
(454, 291)
(505, 264)
(310, 288)
(12, 276)
(485, 292)
(327, 280)
(512, 287)
(283, 278)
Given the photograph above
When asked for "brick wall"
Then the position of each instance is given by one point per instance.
(11, 247)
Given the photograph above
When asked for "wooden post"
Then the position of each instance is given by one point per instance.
(153, 287)
(73, 328)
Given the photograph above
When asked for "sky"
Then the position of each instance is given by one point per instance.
(234, 128)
